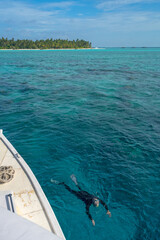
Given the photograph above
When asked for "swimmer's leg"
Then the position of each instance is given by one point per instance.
(79, 188)
(65, 185)
(68, 188)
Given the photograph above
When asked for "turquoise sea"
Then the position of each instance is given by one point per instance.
(94, 113)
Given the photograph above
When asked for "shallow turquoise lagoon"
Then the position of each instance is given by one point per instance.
(94, 113)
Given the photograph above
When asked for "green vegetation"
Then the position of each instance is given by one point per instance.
(42, 44)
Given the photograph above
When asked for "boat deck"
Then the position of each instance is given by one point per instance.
(29, 199)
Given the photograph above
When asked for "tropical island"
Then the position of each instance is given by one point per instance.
(43, 44)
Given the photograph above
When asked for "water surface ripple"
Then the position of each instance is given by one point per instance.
(95, 114)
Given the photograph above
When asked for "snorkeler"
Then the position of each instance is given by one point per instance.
(87, 198)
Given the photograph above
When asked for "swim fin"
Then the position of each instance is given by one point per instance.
(73, 177)
(55, 181)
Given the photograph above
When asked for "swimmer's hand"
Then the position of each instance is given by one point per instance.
(93, 222)
(109, 213)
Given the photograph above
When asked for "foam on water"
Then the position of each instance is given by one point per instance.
(94, 114)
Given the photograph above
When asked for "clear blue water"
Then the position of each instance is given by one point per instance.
(95, 114)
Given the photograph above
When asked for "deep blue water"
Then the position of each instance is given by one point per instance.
(94, 113)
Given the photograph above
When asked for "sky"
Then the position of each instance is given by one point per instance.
(105, 23)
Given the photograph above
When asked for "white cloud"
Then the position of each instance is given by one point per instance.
(20, 13)
(115, 4)
(61, 5)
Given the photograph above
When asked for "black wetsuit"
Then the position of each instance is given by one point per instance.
(86, 197)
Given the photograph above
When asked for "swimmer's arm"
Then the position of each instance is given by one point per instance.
(89, 215)
(105, 205)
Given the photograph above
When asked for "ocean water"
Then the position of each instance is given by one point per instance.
(94, 113)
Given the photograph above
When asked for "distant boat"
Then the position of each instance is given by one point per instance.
(25, 211)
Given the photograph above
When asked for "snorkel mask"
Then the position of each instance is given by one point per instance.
(95, 202)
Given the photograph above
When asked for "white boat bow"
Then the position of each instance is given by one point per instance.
(25, 195)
